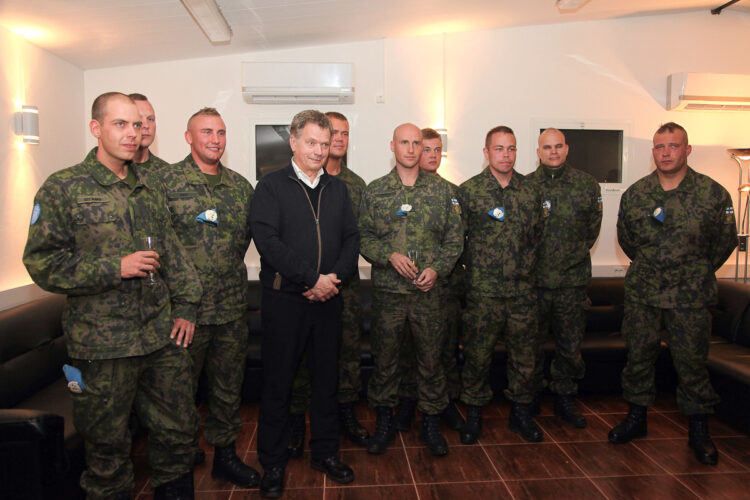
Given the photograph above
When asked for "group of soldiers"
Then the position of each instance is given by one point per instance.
(151, 257)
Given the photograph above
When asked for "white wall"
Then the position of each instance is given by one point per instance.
(32, 76)
(603, 71)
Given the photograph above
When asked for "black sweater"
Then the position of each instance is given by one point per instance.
(293, 254)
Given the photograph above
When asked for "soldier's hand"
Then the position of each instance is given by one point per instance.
(325, 288)
(427, 279)
(184, 330)
(138, 264)
(403, 265)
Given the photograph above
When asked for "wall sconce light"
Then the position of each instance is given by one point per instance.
(444, 139)
(26, 124)
(743, 219)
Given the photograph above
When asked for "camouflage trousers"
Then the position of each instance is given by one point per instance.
(350, 355)
(486, 320)
(222, 351)
(407, 364)
(688, 332)
(391, 312)
(563, 311)
(159, 387)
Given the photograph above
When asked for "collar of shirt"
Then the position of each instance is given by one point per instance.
(304, 178)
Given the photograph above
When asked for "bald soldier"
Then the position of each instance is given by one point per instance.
(411, 232)
(572, 210)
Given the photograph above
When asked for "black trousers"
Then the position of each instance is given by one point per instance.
(293, 326)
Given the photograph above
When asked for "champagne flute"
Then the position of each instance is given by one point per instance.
(151, 243)
(413, 256)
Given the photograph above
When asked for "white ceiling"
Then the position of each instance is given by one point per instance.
(103, 33)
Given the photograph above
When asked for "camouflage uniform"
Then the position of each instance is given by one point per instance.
(452, 288)
(499, 259)
(218, 253)
(672, 281)
(433, 227)
(153, 164)
(117, 330)
(350, 354)
(572, 209)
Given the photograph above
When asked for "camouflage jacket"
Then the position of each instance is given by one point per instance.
(356, 186)
(454, 283)
(500, 255)
(432, 226)
(153, 164)
(217, 250)
(85, 220)
(674, 261)
(572, 210)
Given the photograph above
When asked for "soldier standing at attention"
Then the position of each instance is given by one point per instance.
(412, 235)
(210, 207)
(144, 158)
(130, 312)
(350, 354)
(677, 226)
(572, 210)
(453, 289)
(503, 221)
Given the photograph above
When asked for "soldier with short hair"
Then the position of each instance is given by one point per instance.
(572, 209)
(678, 227)
(210, 208)
(412, 235)
(144, 157)
(130, 311)
(503, 223)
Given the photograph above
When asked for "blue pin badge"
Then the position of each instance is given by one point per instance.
(497, 213)
(208, 217)
(74, 378)
(658, 214)
(404, 210)
(547, 207)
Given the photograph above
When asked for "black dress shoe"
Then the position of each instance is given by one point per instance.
(335, 469)
(521, 422)
(350, 427)
(272, 484)
(452, 418)
(229, 467)
(566, 409)
(296, 435)
(700, 441)
(634, 426)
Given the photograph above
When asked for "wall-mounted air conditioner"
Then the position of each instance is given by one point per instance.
(708, 91)
(297, 83)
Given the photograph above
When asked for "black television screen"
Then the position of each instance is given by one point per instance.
(272, 150)
(598, 152)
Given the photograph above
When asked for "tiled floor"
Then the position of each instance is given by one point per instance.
(569, 463)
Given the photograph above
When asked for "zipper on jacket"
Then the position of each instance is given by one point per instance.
(316, 215)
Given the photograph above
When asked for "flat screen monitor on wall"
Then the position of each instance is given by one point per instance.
(596, 151)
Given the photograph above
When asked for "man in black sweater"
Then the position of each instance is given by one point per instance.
(305, 231)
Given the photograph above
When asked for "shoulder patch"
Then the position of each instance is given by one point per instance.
(35, 213)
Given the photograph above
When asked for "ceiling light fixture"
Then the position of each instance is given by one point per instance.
(210, 19)
(568, 5)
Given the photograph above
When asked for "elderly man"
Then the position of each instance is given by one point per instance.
(412, 235)
(307, 237)
(678, 227)
(210, 208)
(572, 209)
(131, 306)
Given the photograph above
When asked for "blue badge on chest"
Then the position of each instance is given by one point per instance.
(658, 214)
(404, 210)
(497, 213)
(208, 217)
(74, 378)
(35, 213)
(547, 207)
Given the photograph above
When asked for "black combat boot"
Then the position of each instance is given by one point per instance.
(272, 484)
(404, 414)
(473, 426)
(350, 427)
(700, 441)
(430, 435)
(296, 434)
(634, 426)
(452, 418)
(229, 467)
(384, 432)
(566, 409)
(178, 489)
(535, 408)
(521, 422)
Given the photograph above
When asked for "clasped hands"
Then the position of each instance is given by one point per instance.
(325, 288)
(403, 265)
